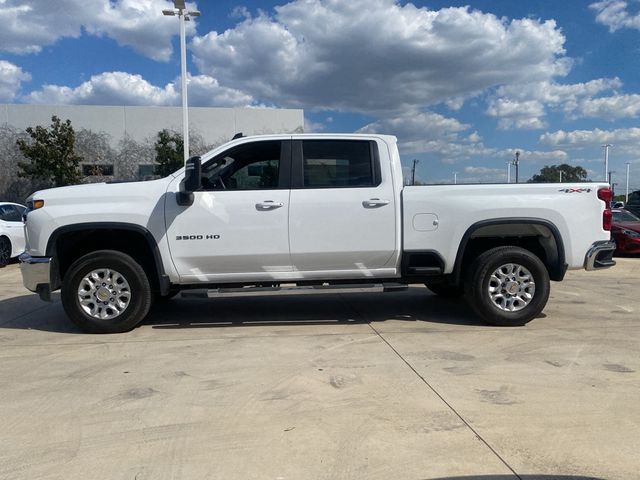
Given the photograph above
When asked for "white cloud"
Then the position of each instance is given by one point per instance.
(533, 156)
(483, 170)
(11, 78)
(610, 108)
(431, 133)
(313, 127)
(28, 25)
(517, 114)
(378, 55)
(120, 88)
(588, 143)
(615, 15)
(525, 106)
(623, 139)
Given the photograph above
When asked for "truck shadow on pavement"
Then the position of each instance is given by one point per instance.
(416, 305)
(318, 309)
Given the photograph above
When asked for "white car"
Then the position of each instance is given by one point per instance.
(11, 231)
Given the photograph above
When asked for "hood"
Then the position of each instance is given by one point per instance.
(106, 191)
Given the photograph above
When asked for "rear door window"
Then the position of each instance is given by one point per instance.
(338, 164)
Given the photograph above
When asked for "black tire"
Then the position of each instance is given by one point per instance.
(140, 292)
(5, 251)
(480, 275)
(445, 290)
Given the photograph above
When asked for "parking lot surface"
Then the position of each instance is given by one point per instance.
(353, 385)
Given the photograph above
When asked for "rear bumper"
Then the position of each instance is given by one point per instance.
(36, 274)
(600, 255)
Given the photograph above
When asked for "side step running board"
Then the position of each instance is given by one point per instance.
(293, 289)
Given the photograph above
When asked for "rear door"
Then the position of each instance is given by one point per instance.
(237, 227)
(342, 221)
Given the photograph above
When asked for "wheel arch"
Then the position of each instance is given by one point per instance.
(129, 238)
(538, 235)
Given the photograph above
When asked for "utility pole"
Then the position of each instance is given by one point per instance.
(613, 185)
(606, 159)
(509, 171)
(413, 171)
(516, 162)
(626, 197)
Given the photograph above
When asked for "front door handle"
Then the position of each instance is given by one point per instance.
(268, 205)
(375, 203)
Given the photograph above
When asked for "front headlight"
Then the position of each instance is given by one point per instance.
(631, 233)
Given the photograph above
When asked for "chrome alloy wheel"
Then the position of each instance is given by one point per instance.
(511, 287)
(104, 294)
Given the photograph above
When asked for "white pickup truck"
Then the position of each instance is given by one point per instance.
(311, 211)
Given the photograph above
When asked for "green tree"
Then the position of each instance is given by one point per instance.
(50, 151)
(551, 174)
(169, 152)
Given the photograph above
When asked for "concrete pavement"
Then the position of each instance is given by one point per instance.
(334, 386)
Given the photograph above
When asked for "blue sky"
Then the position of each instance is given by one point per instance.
(462, 84)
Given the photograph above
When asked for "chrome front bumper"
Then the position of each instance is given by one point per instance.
(36, 274)
(600, 255)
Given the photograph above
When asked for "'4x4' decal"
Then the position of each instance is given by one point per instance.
(575, 190)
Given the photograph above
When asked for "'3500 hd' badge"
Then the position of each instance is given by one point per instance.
(198, 237)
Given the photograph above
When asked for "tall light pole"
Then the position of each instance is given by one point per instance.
(509, 171)
(455, 178)
(184, 16)
(626, 197)
(606, 160)
(516, 162)
(560, 176)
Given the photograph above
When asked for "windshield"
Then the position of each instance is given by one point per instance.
(624, 217)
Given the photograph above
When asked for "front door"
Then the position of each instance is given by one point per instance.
(237, 227)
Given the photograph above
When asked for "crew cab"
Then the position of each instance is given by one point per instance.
(308, 211)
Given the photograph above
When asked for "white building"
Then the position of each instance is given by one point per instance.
(117, 141)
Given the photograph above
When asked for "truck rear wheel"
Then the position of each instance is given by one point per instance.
(106, 292)
(508, 286)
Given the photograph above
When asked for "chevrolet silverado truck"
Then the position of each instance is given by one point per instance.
(308, 211)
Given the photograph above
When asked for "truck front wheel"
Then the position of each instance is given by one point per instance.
(507, 286)
(106, 292)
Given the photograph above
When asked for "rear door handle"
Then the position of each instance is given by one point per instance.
(375, 203)
(268, 205)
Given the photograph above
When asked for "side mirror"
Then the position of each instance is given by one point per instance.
(192, 181)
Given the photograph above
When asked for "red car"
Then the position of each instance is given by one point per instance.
(626, 232)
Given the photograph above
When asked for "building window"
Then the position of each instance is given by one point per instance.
(97, 170)
(146, 171)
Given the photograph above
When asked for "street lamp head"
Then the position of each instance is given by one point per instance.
(195, 13)
(179, 4)
(169, 13)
